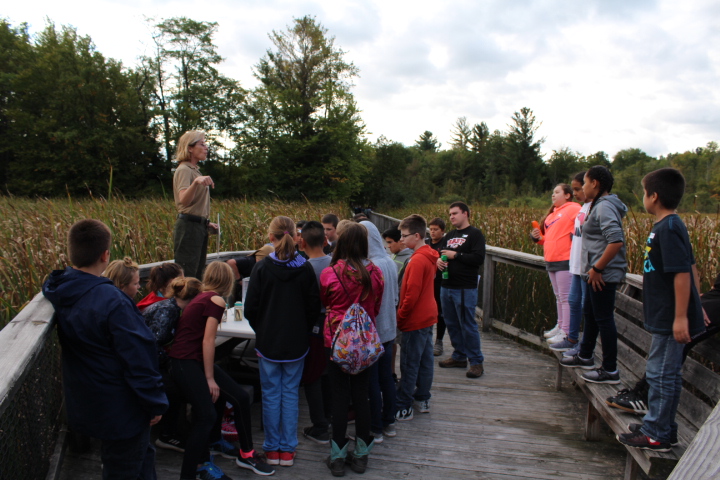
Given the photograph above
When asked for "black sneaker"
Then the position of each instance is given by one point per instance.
(170, 443)
(404, 414)
(635, 427)
(633, 400)
(323, 438)
(576, 361)
(600, 375)
(256, 464)
(642, 441)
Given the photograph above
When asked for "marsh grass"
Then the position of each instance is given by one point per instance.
(33, 234)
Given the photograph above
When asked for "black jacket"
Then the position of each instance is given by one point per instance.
(282, 304)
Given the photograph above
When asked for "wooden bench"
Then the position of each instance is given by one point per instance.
(701, 385)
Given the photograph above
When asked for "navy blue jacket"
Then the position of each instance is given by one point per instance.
(111, 378)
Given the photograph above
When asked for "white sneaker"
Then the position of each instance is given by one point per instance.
(557, 338)
(551, 333)
(424, 406)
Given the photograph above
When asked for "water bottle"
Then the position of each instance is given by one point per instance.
(445, 273)
(238, 311)
(535, 224)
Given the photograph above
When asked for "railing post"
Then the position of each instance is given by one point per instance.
(488, 287)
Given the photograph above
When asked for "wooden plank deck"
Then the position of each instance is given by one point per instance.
(510, 423)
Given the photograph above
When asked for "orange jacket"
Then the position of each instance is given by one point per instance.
(417, 308)
(559, 227)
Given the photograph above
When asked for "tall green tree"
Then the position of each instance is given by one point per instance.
(461, 134)
(188, 90)
(525, 162)
(77, 122)
(427, 142)
(304, 134)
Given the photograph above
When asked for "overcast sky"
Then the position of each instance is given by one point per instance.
(599, 74)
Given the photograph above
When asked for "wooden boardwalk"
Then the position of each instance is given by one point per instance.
(510, 423)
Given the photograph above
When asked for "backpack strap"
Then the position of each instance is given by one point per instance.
(344, 288)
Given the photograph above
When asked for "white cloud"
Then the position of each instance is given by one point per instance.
(600, 75)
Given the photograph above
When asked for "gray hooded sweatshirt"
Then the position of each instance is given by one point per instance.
(602, 227)
(385, 321)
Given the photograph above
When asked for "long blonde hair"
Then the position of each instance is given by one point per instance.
(218, 278)
(283, 229)
(121, 272)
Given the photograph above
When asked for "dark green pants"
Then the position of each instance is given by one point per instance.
(191, 241)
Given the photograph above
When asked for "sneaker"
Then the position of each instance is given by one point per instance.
(552, 332)
(640, 440)
(287, 459)
(224, 449)
(573, 351)
(424, 406)
(404, 414)
(170, 442)
(578, 361)
(228, 430)
(557, 338)
(563, 346)
(633, 400)
(599, 375)
(273, 458)
(390, 430)
(635, 427)
(377, 437)
(438, 348)
(475, 371)
(255, 464)
(210, 471)
(323, 438)
(452, 363)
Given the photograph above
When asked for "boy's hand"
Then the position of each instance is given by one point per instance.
(155, 420)
(595, 280)
(441, 265)
(680, 330)
(450, 254)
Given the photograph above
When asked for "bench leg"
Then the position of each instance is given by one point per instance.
(592, 424)
(558, 379)
(631, 468)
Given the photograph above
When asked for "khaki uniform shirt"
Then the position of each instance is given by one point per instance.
(183, 178)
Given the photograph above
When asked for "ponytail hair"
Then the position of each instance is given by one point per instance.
(604, 178)
(121, 272)
(185, 288)
(161, 276)
(283, 229)
(567, 190)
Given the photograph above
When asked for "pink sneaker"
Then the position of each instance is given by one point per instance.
(228, 430)
(287, 459)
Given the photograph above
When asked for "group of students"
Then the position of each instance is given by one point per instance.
(584, 249)
(127, 367)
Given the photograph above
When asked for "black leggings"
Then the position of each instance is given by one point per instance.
(206, 416)
(344, 388)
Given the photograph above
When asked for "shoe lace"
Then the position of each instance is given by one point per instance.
(213, 470)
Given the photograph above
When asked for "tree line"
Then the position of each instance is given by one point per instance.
(77, 123)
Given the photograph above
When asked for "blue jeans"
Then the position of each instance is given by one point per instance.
(129, 459)
(599, 310)
(458, 306)
(280, 382)
(382, 391)
(664, 376)
(416, 367)
(576, 301)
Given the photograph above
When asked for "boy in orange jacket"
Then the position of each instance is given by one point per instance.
(417, 313)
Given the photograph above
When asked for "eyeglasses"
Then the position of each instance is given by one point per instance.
(406, 235)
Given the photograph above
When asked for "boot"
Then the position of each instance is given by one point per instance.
(336, 460)
(359, 458)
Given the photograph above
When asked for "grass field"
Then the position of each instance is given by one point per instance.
(33, 234)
